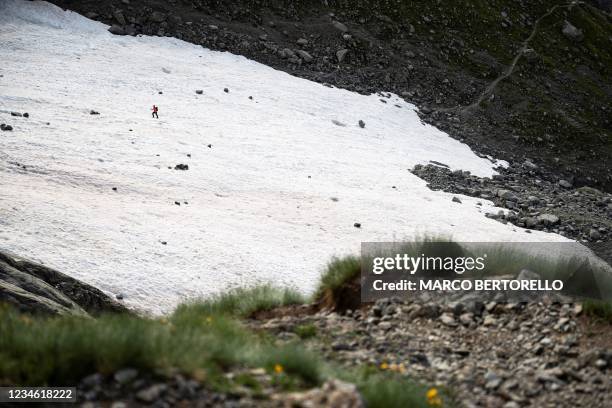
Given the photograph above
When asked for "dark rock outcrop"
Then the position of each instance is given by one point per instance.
(35, 288)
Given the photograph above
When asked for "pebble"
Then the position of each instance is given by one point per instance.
(125, 375)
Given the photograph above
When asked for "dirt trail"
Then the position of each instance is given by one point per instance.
(524, 47)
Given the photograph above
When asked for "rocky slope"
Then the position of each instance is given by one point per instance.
(491, 354)
(483, 354)
(518, 80)
(35, 288)
(535, 202)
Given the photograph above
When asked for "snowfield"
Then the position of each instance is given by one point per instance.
(276, 195)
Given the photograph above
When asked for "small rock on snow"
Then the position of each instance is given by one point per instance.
(116, 30)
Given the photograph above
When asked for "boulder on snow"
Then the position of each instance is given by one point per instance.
(199, 91)
(181, 166)
(6, 127)
(93, 112)
(116, 30)
(16, 114)
(361, 124)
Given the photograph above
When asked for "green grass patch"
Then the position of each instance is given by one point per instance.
(241, 302)
(338, 272)
(37, 350)
(382, 389)
(381, 392)
(62, 350)
(598, 310)
(306, 331)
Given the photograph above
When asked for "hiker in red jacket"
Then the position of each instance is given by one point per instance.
(154, 114)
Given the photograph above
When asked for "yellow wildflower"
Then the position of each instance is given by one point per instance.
(384, 366)
(433, 398)
(278, 369)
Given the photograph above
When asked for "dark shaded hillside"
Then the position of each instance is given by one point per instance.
(518, 80)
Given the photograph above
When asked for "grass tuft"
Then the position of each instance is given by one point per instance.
(241, 302)
(391, 390)
(383, 392)
(338, 272)
(62, 350)
(38, 350)
(599, 310)
(306, 331)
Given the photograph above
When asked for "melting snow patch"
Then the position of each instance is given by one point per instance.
(96, 198)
